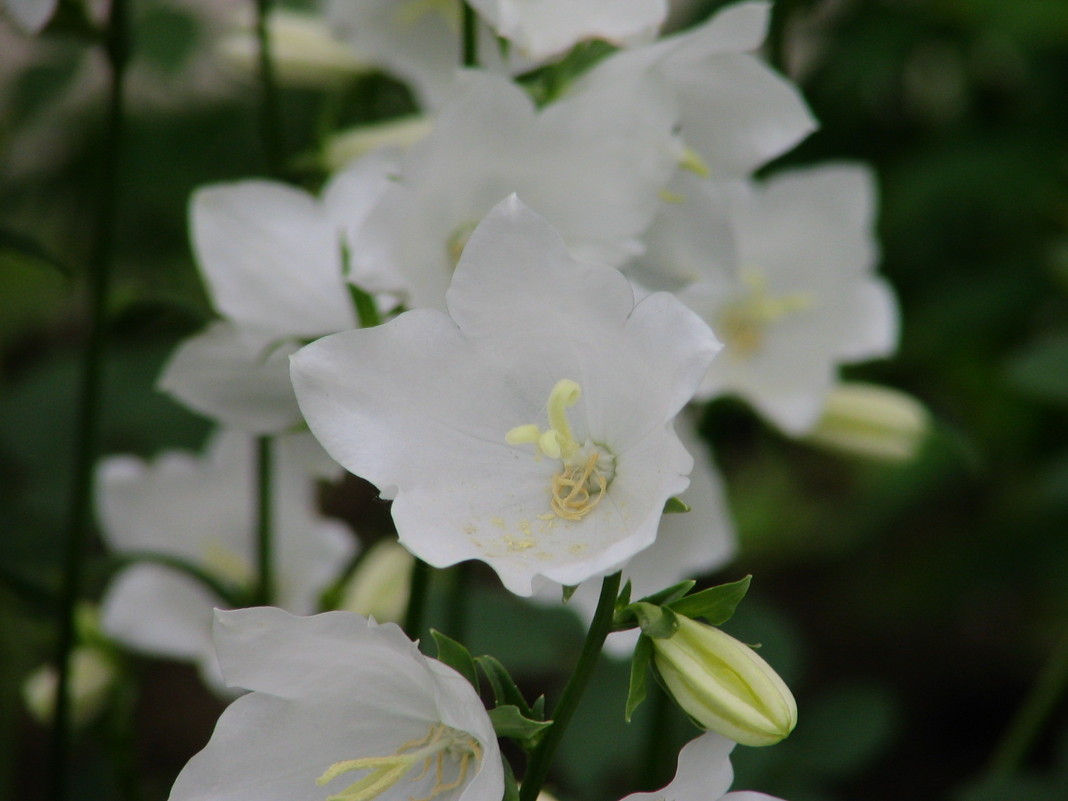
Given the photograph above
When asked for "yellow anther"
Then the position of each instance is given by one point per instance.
(691, 160)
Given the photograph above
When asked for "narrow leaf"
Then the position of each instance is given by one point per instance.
(505, 691)
(639, 667)
(716, 604)
(456, 656)
(672, 593)
(508, 721)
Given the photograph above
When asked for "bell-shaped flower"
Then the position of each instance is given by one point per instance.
(201, 510)
(272, 257)
(544, 28)
(591, 165)
(804, 296)
(31, 15)
(531, 426)
(704, 774)
(735, 112)
(340, 708)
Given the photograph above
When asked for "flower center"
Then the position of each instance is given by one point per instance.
(742, 324)
(586, 468)
(442, 748)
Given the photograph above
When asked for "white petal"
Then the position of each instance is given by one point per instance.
(704, 772)
(271, 257)
(223, 375)
(352, 193)
(31, 15)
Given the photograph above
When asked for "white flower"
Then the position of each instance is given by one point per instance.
(418, 41)
(272, 257)
(804, 296)
(704, 774)
(340, 708)
(736, 113)
(530, 427)
(202, 509)
(591, 165)
(31, 15)
(544, 28)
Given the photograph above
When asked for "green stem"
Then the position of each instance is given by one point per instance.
(87, 433)
(456, 601)
(264, 594)
(270, 106)
(469, 26)
(1033, 713)
(413, 617)
(541, 759)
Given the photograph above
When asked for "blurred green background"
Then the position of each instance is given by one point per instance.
(912, 608)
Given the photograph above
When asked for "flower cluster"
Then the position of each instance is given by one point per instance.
(497, 315)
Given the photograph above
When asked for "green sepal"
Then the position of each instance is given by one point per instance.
(568, 592)
(639, 667)
(669, 595)
(537, 709)
(366, 310)
(658, 622)
(624, 596)
(716, 604)
(511, 786)
(456, 656)
(505, 691)
(508, 721)
(674, 506)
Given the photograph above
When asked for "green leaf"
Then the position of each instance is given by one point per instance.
(366, 310)
(674, 506)
(511, 786)
(658, 622)
(1041, 371)
(505, 691)
(12, 243)
(672, 593)
(716, 604)
(456, 656)
(508, 721)
(639, 667)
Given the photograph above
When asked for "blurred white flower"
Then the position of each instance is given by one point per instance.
(352, 143)
(704, 774)
(544, 28)
(202, 510)
(273, 260)
(803, 297)
(31, 15)
(381, 584)
(734, 111)
(340, 708)
(531, 427)
(591, 165)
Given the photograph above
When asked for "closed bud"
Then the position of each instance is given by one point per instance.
(92, 676)
(873, 421)
(381, 584)
(723, 685)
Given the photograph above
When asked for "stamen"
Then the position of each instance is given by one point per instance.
(742, 324)
(571, 498)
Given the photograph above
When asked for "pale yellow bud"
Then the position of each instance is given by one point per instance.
(303, 50)
(724, 685)
(401, 132)
(381, 583)
(872, 421)
(92, 675)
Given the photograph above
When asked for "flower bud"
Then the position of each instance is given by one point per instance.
(873, 421)
(303, 49)
(92, 675)
(381, 584)
(724, 685)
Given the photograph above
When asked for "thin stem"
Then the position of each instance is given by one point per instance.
(270, 106)
(456, 601)
(469, 26)
(1033, 713)
(87, 432)
(538, 768)
(264, 594)
(657, 751)
(413, 617)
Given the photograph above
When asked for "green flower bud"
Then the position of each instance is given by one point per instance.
(872, 421)
(724, 685)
